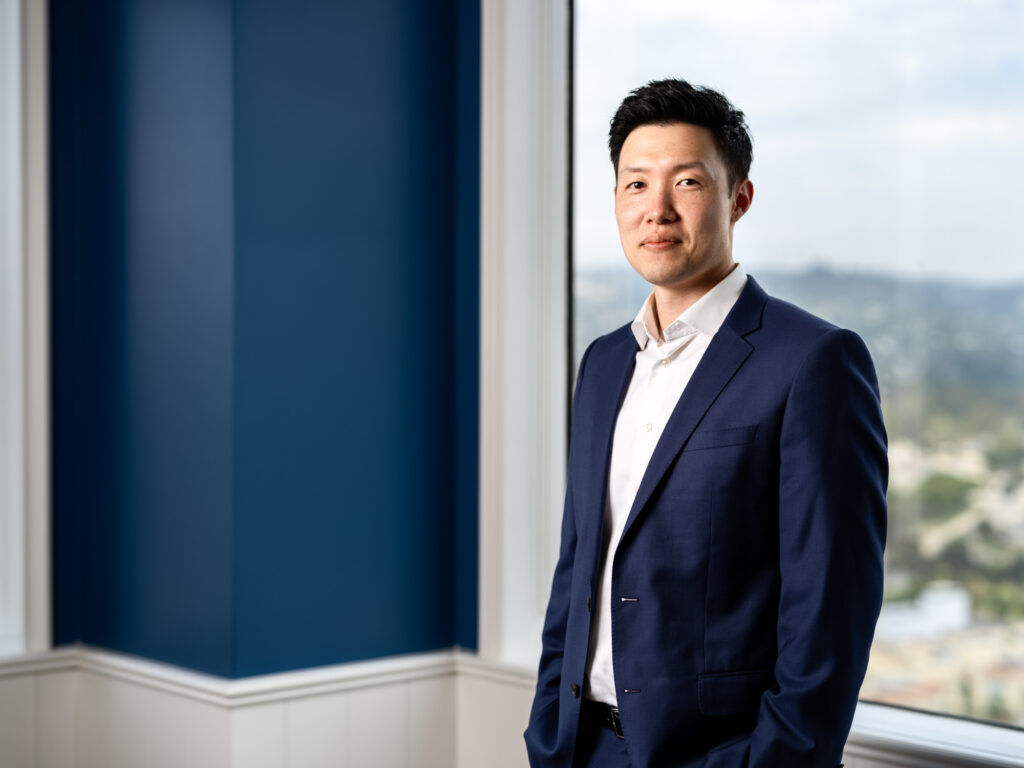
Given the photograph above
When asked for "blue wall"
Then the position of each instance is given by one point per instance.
(265, 329)
(467, 312)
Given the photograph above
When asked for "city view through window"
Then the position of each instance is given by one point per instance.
(887, 174)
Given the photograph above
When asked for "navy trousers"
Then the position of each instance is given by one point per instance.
(597, 746)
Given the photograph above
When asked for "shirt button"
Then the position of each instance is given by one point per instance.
(648, 426)
(665, 361)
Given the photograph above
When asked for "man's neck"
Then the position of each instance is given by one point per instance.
(671, 301)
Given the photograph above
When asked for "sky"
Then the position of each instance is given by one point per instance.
(888, 136)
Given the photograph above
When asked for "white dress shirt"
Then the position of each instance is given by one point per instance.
(662, 371)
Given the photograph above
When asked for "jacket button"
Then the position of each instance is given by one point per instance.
(575, 690)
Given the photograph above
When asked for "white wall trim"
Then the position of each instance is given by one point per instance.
(523, 304)
(262, 689)
(24, 329)
(59, 660)
(473, 666)
(228, 693)
(492, 368)
(36, 313)
(12, 491)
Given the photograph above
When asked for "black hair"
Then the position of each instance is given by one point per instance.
(665, 102)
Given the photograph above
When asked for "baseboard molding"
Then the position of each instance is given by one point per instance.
(80, 707)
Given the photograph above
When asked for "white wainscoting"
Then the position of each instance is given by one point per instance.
(492, 706)
(86, 708)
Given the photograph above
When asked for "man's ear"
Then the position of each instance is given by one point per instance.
(743, 196)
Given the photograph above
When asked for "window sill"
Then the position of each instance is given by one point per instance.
(925, 739)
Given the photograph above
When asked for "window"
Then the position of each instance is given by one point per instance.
(886, 168)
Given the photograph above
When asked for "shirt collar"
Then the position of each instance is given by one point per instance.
(706, 315)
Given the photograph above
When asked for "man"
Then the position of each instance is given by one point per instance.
(720, 571)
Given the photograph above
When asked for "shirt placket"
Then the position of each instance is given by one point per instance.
(647, 426)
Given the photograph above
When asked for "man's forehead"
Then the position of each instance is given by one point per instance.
(674, 144)
(679, 166)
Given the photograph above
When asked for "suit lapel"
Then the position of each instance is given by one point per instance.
(614, 371)
(724, 356)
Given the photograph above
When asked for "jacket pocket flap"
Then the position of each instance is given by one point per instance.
(729, 693)
(719, 438)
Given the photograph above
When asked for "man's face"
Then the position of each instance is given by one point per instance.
(674, 206)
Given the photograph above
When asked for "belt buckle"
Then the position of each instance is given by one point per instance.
(615, 722)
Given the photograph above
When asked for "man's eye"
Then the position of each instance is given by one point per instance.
(688, 182)
(635, 185)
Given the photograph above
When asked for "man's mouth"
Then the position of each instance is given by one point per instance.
(658, 244)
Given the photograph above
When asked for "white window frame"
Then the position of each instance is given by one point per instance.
(36, 311)
(25, 623)
(523, 362)
(523, 306)
(11, 608)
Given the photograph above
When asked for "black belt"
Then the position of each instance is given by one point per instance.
(605, 714)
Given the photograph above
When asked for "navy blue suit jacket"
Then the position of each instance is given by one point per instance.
(754, 549)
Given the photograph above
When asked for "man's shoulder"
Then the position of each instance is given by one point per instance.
(787, 333)
(613, 341)
(778, 316)
(795, 339)
(794, 319)
(606, 353)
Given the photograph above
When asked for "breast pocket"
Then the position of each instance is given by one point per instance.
(721, 438)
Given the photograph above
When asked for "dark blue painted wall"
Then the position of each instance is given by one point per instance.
(467, 310)
(344, 390)
(265, 340)
(142, 328)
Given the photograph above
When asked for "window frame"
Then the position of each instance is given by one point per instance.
(524, 347)
(24, 327)
(525, 241)
(36, 375)
(11, 485)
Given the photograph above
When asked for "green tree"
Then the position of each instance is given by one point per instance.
(942, 496)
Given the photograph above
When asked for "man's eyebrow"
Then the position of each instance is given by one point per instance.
(675, 169)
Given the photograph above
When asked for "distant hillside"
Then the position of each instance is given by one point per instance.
(950, 357)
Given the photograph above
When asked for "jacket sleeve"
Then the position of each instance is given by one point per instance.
(833, 473)
(542, 733)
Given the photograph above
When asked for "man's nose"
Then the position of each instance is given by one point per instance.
(662, 207)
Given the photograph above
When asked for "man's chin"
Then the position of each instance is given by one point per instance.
(681, 277)
(661, 275)
(669, 280)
